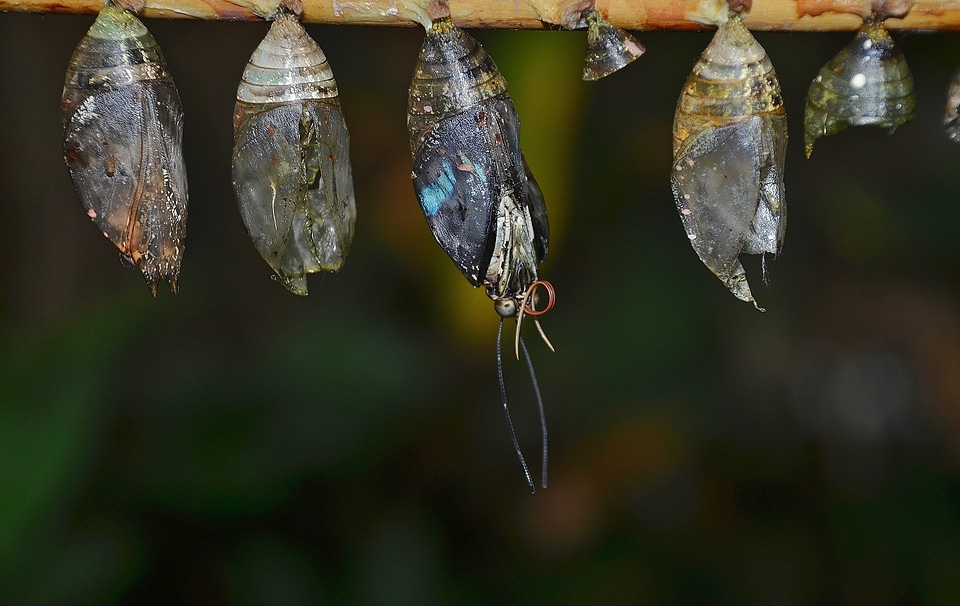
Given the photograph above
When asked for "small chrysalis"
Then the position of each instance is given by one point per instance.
(122, 142)
(291, 156)
(609, 48)
(866, 83)
(951, 119)
(474, 187)
(729, 146)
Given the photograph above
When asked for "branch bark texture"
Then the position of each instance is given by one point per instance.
(774, 15)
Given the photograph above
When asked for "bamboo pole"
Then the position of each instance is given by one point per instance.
(773, 15)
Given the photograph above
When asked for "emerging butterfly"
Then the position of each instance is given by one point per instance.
(475, 190)
(866, 83)
(122, 142)
(291, 156)
(729, 146)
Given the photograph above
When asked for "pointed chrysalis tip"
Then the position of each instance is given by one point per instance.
(154, 286)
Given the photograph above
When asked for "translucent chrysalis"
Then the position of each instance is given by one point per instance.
(866, 83)
(729, 146)
(474, 187)
(609, 48)
(291, 156)
(122, 142)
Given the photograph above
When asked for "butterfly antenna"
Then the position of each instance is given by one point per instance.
(543, 417)
(506, 412)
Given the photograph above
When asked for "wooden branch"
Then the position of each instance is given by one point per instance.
(774, 15)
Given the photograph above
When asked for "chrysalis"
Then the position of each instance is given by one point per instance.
(291, 156)
(481, 202)
(867, 83)
(729, 145)
(122, 142)
(951, 120)
(609, 48)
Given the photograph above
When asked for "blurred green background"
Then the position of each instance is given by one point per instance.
(236, 444)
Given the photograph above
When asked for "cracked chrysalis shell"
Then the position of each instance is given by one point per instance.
(867, 83)
(951, 120)
(609, 48)
(475, 190)
(729, 145)
(122, 142)
(291, 157)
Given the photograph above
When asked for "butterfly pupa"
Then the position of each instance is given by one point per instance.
(291, 157)
(609, 48)
(951, 119)
(122, 143)
(474, 187)
(866, 83)
(729, 146)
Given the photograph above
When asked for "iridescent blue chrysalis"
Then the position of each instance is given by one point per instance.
(122, 142)
(291, 155)
(475, 190)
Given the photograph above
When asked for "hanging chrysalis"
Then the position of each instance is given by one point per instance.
(729, 145)
(951, 120)
(609, 48)
(481, 202)
(291, 155)
(867, 83)
(122, 142)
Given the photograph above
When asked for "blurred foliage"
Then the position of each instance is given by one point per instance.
(238, 445)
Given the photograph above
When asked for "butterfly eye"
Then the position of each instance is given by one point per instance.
(291, 157)
(122, 143)
(505, 308)
(729, 145)
(867, 83)
(609, 48)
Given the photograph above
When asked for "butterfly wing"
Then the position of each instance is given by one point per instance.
(727, 188)
(458, 183)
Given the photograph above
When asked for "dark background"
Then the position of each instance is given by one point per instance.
(236, 444)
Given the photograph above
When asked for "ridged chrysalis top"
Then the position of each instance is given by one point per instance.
(866, 83)
(122, 142)
(729, 146)
(481, 201)
(609, 48)
(291, 157)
